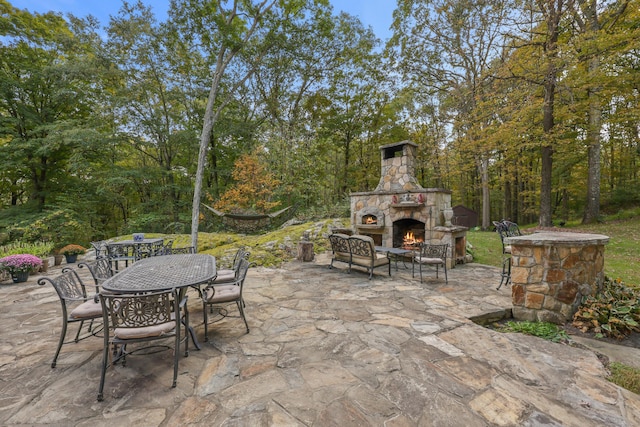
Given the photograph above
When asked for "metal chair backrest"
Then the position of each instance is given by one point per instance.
(184, 250)
(428, 250)
(241, 254)
(362, 246)
(68, 286)
(100, 247)
(506, 229)
(139, 310)
(339, 243)
(511, 229)
(241, 272)
(100, 269)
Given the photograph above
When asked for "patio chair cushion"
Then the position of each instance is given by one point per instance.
(379, 259)
(87, 310)
(223, 293)
(144, 331)
(225, 275)
(425, 260)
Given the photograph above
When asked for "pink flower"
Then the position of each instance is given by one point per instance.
(20, 263)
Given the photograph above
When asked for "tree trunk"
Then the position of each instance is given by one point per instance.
(553, 11)
(483, 166)
(592, 207)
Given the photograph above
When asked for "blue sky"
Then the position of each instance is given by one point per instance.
(374, 13)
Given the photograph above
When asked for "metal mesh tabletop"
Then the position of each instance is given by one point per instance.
(164, 272)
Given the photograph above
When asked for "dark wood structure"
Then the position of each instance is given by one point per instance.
(464, 216)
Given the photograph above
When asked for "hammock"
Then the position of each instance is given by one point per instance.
(247, 223)
(252, 217)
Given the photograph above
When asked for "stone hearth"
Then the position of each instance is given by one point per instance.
(401, 213)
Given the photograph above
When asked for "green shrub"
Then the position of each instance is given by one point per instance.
(59, 227)
(614, 312)
(548, 331)
(39, 249)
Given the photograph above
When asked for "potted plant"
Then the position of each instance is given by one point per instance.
(71, 252)
(20, 265)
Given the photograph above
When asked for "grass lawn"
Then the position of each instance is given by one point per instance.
(621, 256)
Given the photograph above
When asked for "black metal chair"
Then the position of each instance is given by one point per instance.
(100, 270)
(506, 229)
(216, 294)
(77, 306)
(176, 251)
(142, 318)
(229, 275)
(431, 254)
(117, 253)
(100, 247)
(165, 249)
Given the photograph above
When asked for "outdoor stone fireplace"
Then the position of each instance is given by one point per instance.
(401, 213)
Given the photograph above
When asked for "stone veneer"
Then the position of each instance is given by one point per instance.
(552, 271)
(399, 196)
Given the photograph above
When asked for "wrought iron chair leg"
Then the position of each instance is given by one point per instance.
(63, 334)
(505, 276)
(77, 338)
(240, 305)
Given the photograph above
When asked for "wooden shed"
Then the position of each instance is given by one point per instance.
(464, 216)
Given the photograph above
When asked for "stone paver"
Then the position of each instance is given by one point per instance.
(326, 348)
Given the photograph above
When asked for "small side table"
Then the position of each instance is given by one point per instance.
(396, 253)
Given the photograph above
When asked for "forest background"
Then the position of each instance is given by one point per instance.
(527, 110)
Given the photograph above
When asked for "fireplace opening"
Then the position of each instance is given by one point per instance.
(369, 220)
(408, 233)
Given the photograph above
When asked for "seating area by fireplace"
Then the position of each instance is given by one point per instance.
(401, 213)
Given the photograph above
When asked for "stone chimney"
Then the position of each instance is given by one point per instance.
(398, 167)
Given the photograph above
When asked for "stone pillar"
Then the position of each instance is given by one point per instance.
(552, 271)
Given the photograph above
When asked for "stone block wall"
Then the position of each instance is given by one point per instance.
(550, 278)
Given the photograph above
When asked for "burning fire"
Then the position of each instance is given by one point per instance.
(410, 240)
(370, 220)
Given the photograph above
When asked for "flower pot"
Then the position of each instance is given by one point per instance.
(71, 258)
(21, 276)
(57, 259)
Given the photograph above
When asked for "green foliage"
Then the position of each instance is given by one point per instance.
(39, 249)
(548, 331)
(336, 210)
(625, 376)
(487, 248)
(149, 222)
(614, 312)
(621, 254)
(59, 227)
